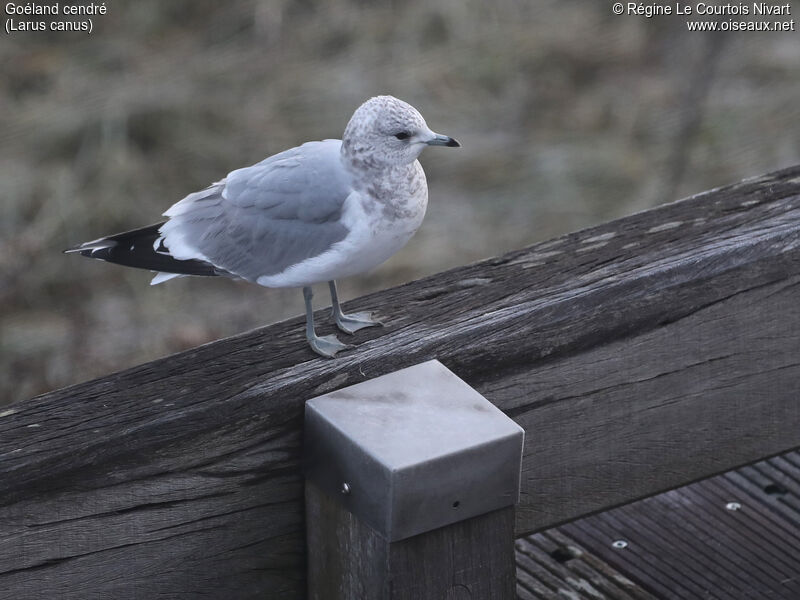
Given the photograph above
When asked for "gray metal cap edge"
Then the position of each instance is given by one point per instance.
(417, 449)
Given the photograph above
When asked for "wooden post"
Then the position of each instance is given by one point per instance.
(411, 483)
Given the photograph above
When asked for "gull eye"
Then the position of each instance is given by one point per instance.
(403, 135)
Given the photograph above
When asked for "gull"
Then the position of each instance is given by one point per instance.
(311, 214)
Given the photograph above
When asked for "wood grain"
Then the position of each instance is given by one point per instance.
(553, 565)
(639, 355)
(348, 560)
(687, 543)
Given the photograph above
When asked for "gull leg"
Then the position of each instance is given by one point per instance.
(326, 345)
(352, 322)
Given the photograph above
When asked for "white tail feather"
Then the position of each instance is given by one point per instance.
(162, 277)
(94, 245)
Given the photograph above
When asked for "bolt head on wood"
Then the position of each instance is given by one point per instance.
(418, 448)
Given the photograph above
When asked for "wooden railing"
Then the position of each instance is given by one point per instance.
(638, 356)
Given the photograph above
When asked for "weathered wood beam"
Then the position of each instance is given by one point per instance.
(646, 353)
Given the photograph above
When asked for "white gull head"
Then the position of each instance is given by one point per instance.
(385, 132)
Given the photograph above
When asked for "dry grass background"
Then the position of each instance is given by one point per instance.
(568, 116)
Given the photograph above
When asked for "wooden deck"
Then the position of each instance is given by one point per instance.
(639, 356)
(733, 536)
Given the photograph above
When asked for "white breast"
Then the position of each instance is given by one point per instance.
(376, 233)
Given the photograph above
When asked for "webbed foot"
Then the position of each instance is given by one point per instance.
(327, 345)
(350, 323)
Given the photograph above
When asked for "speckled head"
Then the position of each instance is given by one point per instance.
(386, 132)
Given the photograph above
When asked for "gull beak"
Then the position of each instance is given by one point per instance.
(443, 140)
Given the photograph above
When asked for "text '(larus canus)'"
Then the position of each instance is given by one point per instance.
(314, 213)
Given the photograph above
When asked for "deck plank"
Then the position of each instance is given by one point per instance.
(575, 574)
(685, 543)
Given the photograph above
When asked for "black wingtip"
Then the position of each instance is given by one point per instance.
(453, 143)
(136, 249)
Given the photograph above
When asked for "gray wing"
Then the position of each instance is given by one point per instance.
(262, 219)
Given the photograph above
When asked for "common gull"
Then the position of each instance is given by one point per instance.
(315, 213)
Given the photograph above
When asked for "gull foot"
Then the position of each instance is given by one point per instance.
(327, 345)
(350, 323)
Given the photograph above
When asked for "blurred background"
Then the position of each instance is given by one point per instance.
(568, 115)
